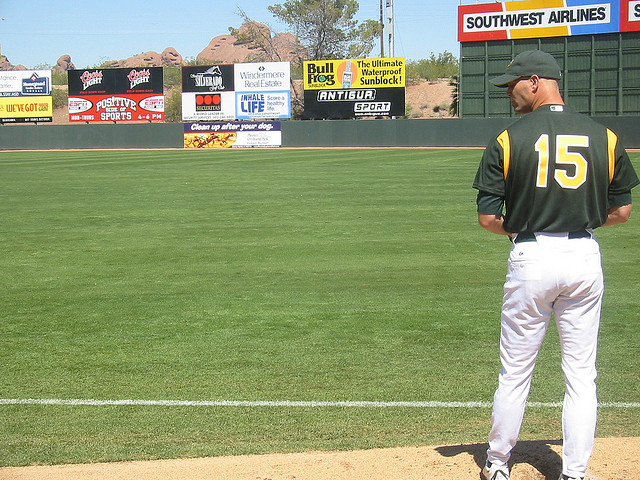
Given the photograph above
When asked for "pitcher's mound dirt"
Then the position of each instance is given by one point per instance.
(613, 459)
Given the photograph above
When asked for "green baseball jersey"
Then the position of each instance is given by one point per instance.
(556, 171)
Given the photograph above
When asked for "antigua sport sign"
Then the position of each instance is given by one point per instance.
(546, 18)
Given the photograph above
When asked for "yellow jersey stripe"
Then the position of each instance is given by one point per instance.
(612, 142)
(505, 143)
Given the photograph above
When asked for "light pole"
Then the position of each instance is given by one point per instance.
(3, 18)
(381, 30)
(390, 28)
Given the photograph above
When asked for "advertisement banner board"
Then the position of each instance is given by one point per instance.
(354, 73)
(116, 108)
(263, 90)
(208, 106)
(354, 88)
(256, 105)
(262, 77)
(207, 78)
(116, 94)
(25, 96)
(545, 18)
(630, 15)
(353, 103)
(240, 91)
(232, 134)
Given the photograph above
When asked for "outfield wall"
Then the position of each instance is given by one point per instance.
(455, 132)
(65, 137)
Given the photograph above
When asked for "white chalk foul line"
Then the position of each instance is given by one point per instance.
(284, 403)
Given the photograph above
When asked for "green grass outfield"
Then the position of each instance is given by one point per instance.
(268, 276)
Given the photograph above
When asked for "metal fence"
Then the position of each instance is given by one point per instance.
(601, 73)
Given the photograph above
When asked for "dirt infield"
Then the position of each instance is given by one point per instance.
(613, 459)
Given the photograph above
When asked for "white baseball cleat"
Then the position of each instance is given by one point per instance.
(564, 477)
(494, 472)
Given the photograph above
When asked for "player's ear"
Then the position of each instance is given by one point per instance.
(534, 83)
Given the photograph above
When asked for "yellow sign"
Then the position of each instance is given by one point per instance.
(26, 107)
(354, 73)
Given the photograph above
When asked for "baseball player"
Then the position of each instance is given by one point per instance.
(557, 175)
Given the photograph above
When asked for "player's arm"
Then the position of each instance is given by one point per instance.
(492, 223)
(617, 215)
(490, 213)
(624, 180)
(490, 184)
(619, 208)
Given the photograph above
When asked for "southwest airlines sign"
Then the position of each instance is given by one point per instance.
(630, 16)
(546, 18)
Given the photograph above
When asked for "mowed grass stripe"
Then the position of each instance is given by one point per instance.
(278, 403)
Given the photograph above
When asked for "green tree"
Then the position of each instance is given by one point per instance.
(59, 98)
(455, 104)
(366, 34)
(327, 28)
(59, 77)
(172, 77)
(264, 45)
(173, 105)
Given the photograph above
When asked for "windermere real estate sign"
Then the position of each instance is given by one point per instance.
(546, 18)
(243, 91)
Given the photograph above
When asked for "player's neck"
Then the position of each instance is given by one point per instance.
(550, 99)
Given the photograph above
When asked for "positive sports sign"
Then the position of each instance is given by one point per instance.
(545, 18)
(354, 87)
(25, 96)
(116, 95)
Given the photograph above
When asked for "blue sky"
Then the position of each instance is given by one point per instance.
(38, 32)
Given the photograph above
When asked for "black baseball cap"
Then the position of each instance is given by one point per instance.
(530, 62)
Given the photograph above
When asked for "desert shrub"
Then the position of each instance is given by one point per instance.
(445, 65)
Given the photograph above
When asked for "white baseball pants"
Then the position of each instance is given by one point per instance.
(558, 276)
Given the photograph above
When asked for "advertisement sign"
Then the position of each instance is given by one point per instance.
(25, 96)
(26, 109)
(263, 105)
(116, 81)
(354, 103)
(207, 78)
(358, 73)
(536, 19)
(232, 135)
(117, 94)
(262, 77)
(116, 108)
(630, 16)
(240, 91)
(263, 90)
(208, 106)
(354, 88)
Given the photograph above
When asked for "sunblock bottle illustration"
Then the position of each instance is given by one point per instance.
(347, 76)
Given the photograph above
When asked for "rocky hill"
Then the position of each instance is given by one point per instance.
(222, 49)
